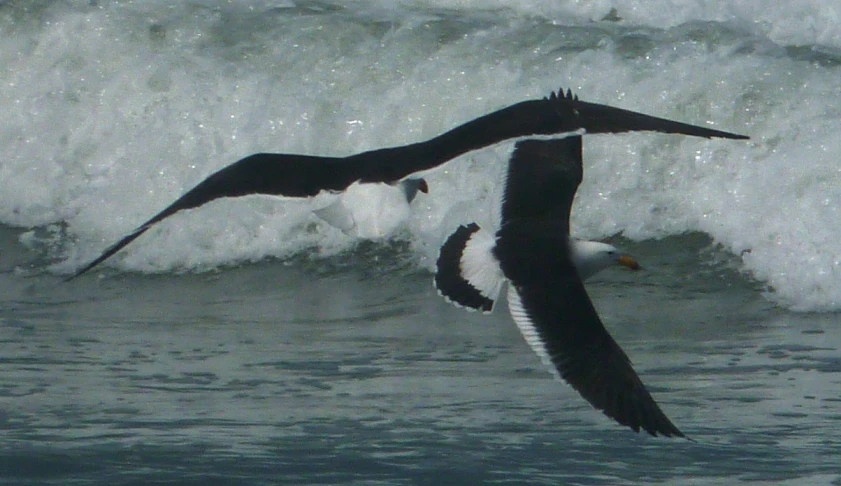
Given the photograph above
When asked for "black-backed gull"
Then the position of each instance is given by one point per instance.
(544, 268)
(293, 175)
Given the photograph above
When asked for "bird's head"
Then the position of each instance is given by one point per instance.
(591, 257)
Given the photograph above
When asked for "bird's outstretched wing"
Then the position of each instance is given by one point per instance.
(597, 118)
(541, 180)
(271, 174)
(548, 302)
(293, 175)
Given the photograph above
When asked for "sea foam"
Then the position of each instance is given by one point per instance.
(112, 111)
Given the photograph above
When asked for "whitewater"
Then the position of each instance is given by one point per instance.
(112, 111)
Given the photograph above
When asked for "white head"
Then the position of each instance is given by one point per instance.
(591, 257)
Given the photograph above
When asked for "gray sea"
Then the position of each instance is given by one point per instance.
(249, 343)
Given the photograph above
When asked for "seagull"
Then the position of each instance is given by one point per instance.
(544, 269)
(294, 175)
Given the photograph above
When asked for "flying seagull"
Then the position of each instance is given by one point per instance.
(293, 175)
(544, 268)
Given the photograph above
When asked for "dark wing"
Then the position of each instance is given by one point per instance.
(558, 114)
(541, 181)
(302, 175)
(273, 174)
(555, 315)
(596, 118)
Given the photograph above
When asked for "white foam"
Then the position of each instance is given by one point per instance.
(807, 22)
(112, 112)
(368, 211)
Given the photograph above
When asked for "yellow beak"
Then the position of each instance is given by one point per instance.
(629, 261)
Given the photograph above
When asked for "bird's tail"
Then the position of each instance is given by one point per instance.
(468, 274)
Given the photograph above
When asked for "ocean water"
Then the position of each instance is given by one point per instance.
(248, 342)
